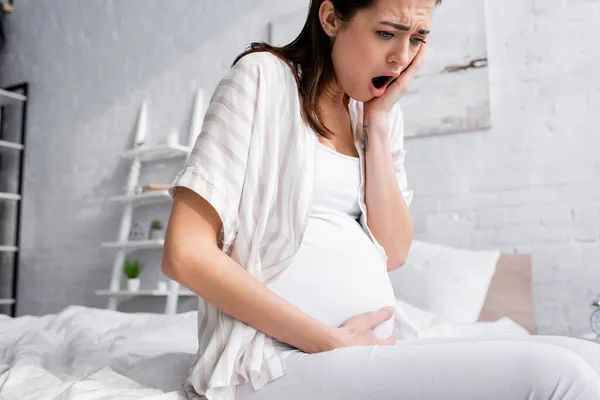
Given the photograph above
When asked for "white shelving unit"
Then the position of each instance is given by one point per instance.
(8, 98)
(135, 245)
(157, 153)
(124, 293)
(147, 198)
(130, 200)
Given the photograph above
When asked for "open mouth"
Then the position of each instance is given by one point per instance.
(381, 81)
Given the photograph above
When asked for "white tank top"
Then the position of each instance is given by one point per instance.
(337, 272)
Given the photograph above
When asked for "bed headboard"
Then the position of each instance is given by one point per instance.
(510, 294)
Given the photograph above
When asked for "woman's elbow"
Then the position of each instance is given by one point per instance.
(171, 264)
(395, 263)
(167, 269)
(399, 258)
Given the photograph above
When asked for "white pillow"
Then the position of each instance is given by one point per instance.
(449, 282)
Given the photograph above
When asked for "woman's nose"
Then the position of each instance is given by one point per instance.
(400, 57)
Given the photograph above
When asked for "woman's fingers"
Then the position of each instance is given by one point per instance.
(379, 316)
(418, 60)
(407, 76)
(409, 73)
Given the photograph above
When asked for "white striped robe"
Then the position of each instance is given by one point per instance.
(254, 161)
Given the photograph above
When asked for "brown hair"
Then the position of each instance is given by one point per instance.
(309, 57)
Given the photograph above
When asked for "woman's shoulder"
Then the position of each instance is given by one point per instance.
(262, 59)
(267, 66)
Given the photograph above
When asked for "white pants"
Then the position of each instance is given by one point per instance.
(503, 368)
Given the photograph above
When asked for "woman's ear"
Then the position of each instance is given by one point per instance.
(329, 20)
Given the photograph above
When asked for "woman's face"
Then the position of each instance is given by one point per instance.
(378, 42)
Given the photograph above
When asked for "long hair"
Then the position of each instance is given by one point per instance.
(309, 57)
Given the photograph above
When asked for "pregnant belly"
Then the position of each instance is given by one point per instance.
(336, 274)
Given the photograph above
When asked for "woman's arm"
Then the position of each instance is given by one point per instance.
(192, 258)
(389, 216)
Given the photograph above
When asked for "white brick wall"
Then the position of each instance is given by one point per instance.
(532, 183)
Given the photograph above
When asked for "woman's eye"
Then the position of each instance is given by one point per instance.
(416, 41)
(385, 35)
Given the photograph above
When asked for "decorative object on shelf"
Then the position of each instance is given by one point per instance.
(5, 9)
(161, 286)
(154, 187)
(595, 318)
(136, 233)
(173, 138)
(132, 269)
(156, 230)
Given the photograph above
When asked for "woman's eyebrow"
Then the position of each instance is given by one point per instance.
(402, 27)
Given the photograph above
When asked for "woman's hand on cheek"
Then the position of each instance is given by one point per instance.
(383, 105)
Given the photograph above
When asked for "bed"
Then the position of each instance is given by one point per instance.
(510, 293)
(88, 353)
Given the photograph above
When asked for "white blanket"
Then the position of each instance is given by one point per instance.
(87, 353)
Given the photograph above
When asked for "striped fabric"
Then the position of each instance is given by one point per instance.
(254, 161)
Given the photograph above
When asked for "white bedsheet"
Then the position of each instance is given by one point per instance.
(87, 353)
(411, 322)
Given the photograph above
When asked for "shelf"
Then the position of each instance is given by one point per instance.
(7, 97)
(11, 145)
(10, 196)
(156, 153)
(154, 197)
(6, 302)
(136, 244)
(9, 249)
(142, 293)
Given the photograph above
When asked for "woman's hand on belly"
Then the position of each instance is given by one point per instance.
(359, 330)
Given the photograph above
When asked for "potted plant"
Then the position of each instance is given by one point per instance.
(156, 230)
(132, 270)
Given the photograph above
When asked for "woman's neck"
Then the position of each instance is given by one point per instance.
(334, 98)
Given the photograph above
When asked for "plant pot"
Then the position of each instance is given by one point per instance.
(157, 234)
(133, 285)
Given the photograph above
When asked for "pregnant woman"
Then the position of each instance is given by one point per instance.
(293, 208)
